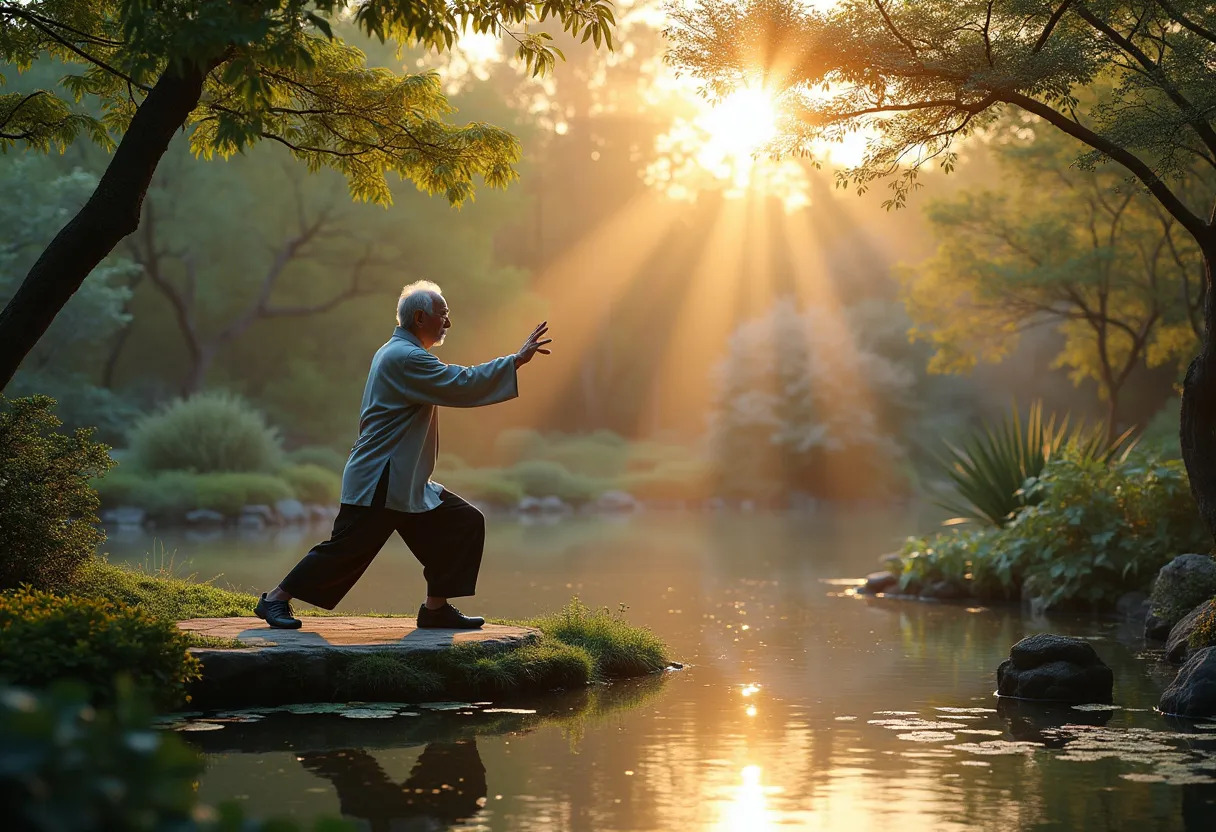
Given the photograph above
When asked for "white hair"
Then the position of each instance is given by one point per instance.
(418, 296)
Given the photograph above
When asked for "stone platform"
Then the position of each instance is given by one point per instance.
(282, 666)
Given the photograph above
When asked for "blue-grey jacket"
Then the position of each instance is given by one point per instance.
(399, 424)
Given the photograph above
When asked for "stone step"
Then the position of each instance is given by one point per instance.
(281, 666)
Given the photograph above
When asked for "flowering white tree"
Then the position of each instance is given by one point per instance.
(802, 405)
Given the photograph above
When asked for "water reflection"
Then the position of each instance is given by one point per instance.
(447, 784)
(793, 722)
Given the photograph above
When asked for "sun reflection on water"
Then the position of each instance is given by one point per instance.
(748, 808)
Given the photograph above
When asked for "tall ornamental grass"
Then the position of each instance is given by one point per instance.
(990, 468)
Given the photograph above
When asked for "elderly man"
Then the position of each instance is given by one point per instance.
(386, 486)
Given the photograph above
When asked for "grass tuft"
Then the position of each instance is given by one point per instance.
(159, 593)
(618, 649)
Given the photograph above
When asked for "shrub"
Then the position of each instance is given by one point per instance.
(321, 455)
(599, 454)
(66, 765)
(486, 486)
(48, 512)
(46, 638)
(229, 493)
(209, 432)
(170, 495)
(516, 444)
(684, 480)
(167, 496)
(118, 488)
(990, 469)
(1095, 530)
(542, 478)
(313, 483)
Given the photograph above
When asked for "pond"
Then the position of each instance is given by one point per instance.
(801, 706)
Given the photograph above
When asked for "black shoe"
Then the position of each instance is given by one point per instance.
(447, 617)
(277, 614)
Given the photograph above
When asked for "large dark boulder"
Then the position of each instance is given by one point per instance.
(1193, 691)
(1055, 668)
(1198, 626)
(1182, 584)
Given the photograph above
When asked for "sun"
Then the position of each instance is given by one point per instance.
(740, 124)
(721, 146)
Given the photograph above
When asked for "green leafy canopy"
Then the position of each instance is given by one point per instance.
(922, 74)
(278, 70)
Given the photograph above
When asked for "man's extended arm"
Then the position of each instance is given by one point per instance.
(427, 380)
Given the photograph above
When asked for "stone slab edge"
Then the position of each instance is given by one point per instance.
(278, 673)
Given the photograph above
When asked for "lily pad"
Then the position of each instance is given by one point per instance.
(368, 713)
(995, 748)
(200, 726)
(509, 711)
(444, 706)
(926, 736)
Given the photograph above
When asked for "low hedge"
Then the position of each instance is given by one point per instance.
(170, 495)
(313, 483)
(47, 638)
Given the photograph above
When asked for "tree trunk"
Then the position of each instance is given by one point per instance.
(1197, 431)
(111, 213)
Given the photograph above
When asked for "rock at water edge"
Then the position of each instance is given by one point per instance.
(1055, 668)
(1182, 584)
(1193, 691)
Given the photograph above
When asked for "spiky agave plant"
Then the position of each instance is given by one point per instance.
(989, 468)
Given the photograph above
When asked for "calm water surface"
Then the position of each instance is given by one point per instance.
(800, 708)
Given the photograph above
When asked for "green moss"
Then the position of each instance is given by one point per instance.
(466, 670)
(194, 639)
(1204, 634)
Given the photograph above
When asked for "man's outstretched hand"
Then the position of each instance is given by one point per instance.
(535, 344)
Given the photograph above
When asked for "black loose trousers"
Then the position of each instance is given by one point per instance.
(447, 540)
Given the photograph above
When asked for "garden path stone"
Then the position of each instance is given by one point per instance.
(284, 666)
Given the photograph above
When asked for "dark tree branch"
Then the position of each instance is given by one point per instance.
(1197, 122)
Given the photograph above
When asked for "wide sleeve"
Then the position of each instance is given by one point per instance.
(427, 380)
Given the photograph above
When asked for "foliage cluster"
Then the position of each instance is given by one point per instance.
(1093, 531)
(66, 764)
(313, 483)
(213, 451)
(47, 509)
(45, 638)
(207, 433)
(40, 196)
(578, 468)
(804, 404)
(990, 468)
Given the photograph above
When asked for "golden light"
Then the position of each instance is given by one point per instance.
(738, 126)
(748, 690)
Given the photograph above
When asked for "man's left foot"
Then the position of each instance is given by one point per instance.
(447, 617)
